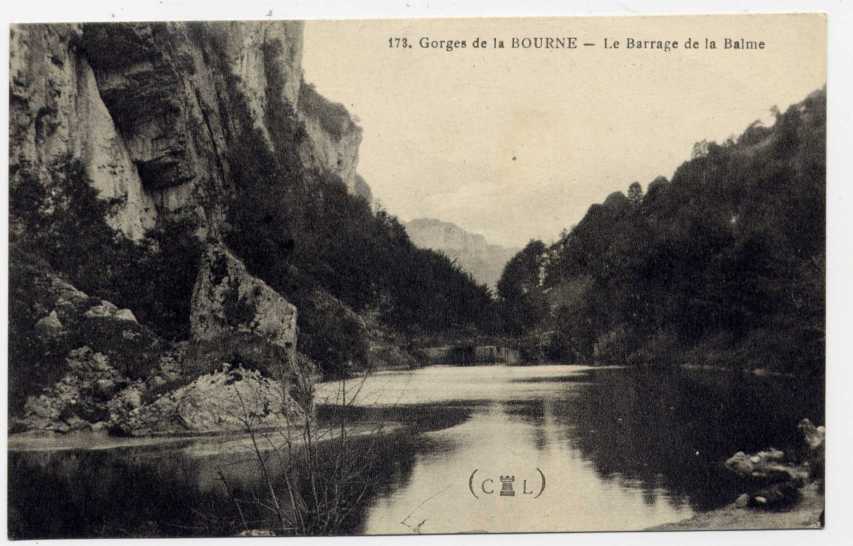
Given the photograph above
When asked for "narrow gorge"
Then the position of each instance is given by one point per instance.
(217, 328)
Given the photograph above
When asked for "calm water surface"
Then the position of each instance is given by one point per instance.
(619, 449)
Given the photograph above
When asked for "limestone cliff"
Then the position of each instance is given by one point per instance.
(471, 250)
(227, 299)
(153, 108)
(155, 113)
(56, 110)
(333, 139)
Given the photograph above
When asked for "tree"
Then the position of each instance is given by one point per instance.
(635, 194)
(724, 264)
(522, 300)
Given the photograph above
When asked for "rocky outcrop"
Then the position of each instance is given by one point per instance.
(227, 299)
(79, 400)
(231, 399)
(237, 319)
(152, 109)
(776, 480)
(103, 371)
(156, 114)
(473, 253)
(333, 139)
(87, 350)
(792, 504)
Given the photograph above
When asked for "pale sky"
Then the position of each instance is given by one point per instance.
(517, 144)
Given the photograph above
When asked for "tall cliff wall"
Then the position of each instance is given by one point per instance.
(153, 108)
(156, 114)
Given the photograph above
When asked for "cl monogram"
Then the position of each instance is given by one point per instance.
(487, 486)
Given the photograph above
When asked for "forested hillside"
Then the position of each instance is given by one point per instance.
(722, 265)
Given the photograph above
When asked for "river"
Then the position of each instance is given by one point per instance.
(616, 448)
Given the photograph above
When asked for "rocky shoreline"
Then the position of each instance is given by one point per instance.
(806, 514)
(783, 492)
(112, 374)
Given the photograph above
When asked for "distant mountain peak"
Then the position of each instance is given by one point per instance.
(471, 251)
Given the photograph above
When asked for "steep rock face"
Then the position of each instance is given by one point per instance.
(56, 111)
(333, 139)
(474, 254)
(155, 113)
(228, 299)
(153, 109)
(140, 83)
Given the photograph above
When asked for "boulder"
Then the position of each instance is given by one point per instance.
(66, 295)
(227, 299)
(125, 314)
(778, 495)
(104, 388)
(127, 399)
(778, 483)
(239, 320)
(104, 309)
(231, 399)
(815, 437)
(50, 326)
(815, 440)
(78, 399)
(130, 347)
(100, 426)
(764, 467)
(256, 533)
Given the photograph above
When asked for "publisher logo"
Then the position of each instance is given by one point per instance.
(507, 485)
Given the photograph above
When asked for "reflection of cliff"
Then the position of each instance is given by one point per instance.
(473, 253)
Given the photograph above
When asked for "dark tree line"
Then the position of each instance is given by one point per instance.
(305, 230)
(722, 265)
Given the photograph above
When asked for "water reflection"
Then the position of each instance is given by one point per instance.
(503, 439)
(672, 430)
(621, 449)
(151, 491)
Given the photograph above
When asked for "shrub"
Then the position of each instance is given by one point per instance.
(64, 222)
(34, 361)
(332, 335)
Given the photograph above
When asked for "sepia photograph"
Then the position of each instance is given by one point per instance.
(288, 278)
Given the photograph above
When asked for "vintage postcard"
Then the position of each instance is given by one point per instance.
(416, 276)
